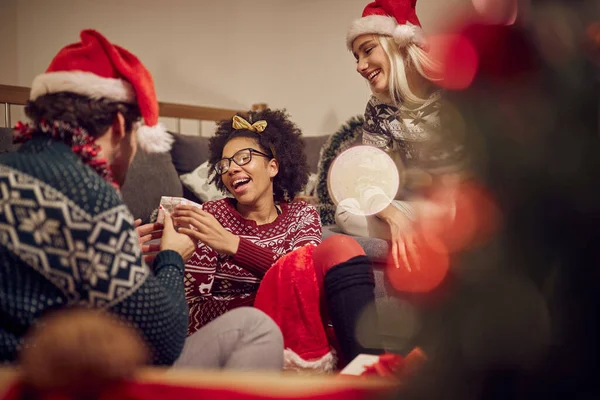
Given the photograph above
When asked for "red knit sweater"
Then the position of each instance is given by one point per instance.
(216, 283)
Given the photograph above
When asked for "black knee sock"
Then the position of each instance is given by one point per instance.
(349, 289)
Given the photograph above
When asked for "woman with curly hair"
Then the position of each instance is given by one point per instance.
(259, 160)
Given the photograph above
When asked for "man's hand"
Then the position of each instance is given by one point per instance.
(146, 233)
(176, 241)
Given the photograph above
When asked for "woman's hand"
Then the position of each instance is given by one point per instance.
(206, 229)
(403, 238)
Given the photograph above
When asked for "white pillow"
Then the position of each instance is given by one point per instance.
(197, 181)
(311, 187)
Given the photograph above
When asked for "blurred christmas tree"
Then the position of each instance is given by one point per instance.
(520, 316)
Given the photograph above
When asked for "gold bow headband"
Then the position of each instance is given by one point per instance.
(257, 127)
(241, 123)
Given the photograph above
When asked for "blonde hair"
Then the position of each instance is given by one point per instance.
(401, 59)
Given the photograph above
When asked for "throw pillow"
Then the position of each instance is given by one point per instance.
(188, 152)
(150, 176)
(198, 182)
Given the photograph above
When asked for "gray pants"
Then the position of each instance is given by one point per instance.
(244, 339)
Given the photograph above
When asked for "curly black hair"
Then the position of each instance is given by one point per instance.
(93, 115)
(280, 135)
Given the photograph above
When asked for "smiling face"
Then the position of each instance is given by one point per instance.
(252, 182)
(372, 62)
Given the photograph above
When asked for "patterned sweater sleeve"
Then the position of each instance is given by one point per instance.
(309, 230)
(254, 258)
(159, 310)
(157, 307)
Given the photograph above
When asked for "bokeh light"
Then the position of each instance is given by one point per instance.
(363, 180)
(398, 322)
(458, 59)
(424, 275)
(471, 219)
(508, 327)
(557, 30)
(502, 12)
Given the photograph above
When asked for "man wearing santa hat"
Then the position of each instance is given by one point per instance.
(66, 238)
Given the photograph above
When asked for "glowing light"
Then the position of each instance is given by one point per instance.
(502, 12)
(427, 275)
(472, 217)
(458, 60)
(363, 180)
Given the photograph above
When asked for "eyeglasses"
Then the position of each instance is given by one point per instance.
(241, 157)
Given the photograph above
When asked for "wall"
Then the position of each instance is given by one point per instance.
(227, 53)
(8, 46)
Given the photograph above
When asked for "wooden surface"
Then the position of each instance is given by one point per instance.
(14, 94)
(172, 110)
(18, 95)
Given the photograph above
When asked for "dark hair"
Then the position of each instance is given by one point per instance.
(280, 135)
(93, 115)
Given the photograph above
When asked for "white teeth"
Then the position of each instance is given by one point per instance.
(238, 182)
(373, 74)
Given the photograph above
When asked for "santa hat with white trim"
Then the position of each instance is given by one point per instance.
(98, 69)
(395, 18)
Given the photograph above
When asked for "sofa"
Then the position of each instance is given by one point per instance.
(154, 175)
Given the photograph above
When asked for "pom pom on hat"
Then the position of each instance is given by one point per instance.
(96, 68)
(395, 18)
(404, 34)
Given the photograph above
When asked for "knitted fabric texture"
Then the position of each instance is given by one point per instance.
(66, 239)
(423, 135)
(216, 283)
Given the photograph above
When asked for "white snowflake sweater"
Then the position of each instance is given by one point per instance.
(425, 137)
(67, 239)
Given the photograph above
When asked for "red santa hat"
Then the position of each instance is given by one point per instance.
(97, 69)
(395, 18)
(289, 294)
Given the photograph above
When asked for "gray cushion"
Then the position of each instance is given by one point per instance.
(150, 176)
(6, 140)
(313, 145)
(188, 152)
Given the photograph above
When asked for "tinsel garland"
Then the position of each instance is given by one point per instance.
(347, 136)
(82, 143)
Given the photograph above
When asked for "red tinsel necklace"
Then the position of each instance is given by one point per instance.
(82, 144)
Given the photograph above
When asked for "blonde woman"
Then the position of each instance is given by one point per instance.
(402, 118)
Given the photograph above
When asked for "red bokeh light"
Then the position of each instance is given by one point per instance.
(502, 12)
(458, 59)
(475, 217)
(433, 267)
